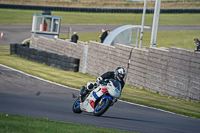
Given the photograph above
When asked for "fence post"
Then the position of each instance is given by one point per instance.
(85, 59)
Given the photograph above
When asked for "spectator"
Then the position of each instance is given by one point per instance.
(45, 26)
(196, 40)
(108, 32)
(74, 38)
(103, 36)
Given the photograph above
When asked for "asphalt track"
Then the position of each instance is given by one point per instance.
(26, 95)
(18, 33)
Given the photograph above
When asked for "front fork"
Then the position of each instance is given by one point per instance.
(113, 100)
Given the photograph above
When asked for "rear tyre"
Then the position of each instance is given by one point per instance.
(102, 107)
(76, 107)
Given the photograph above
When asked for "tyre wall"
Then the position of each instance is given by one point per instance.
(174, 71)
(61, 47)
(51, 59)
(98, 10)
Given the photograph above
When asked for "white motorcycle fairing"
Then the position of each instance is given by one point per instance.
(89, 103)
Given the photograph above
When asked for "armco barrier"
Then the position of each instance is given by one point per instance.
(110, 10)
(54, 60)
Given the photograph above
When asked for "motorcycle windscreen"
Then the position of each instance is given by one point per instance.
(116, 84)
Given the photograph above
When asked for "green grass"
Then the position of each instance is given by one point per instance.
(4, 50)
(68, 78)
(151, 99)
(14, 16)
(181, 39)
(22, 124)
(76, 80)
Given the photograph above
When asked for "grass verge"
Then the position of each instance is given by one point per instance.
(22, 124)
(14, 16)
(181, 39)
(76, 80)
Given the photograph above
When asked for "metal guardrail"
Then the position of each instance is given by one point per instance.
(106, 10)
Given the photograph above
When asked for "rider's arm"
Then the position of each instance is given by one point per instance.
(107, 75)
(122, 84)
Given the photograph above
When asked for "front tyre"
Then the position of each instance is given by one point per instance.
(102, 106)
(76, 107)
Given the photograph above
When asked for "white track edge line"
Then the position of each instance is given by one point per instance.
(38, 77)
(78, 89)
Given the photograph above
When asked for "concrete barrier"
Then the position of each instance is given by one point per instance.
(174, 72)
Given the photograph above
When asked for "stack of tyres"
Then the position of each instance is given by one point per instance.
(20, 52)
(54, 60)
(70, 64)
(26, 52)
(40, 56)
(33, 56)
(13, 49)
(48, 58)
(23, 51)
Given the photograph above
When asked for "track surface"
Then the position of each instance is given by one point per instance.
(18, 33)
(25, 95)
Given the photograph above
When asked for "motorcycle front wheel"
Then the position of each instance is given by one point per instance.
(76, 107)
(102, 106)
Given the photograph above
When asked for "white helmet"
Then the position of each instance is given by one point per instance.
(120, 73)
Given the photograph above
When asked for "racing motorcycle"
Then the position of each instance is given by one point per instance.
(99, 99)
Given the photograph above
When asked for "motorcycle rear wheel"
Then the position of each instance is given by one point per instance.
(102, 107)
(76, 107)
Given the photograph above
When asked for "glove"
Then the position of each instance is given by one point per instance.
(104, 81)
(107, 80)
(96, 84)
(90, 86)
(99, 79)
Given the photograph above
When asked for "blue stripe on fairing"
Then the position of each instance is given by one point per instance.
(104, 96)
(95, 96)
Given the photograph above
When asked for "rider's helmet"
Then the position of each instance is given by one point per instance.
(120, 73)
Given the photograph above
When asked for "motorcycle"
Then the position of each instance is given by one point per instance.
(98, 100)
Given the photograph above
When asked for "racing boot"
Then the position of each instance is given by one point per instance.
(83, 93)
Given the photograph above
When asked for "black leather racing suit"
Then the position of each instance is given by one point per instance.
(111, 75)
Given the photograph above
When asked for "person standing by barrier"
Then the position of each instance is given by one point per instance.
(108, 32)
(196, 40)
(104, 35)
(74, 38)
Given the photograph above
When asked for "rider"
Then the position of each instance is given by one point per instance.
(118, 75)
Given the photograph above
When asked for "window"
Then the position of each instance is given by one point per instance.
(39, 24)
(55, 25)
(47, 24)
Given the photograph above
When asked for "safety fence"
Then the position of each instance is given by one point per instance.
(51, 59)
(83, 9)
